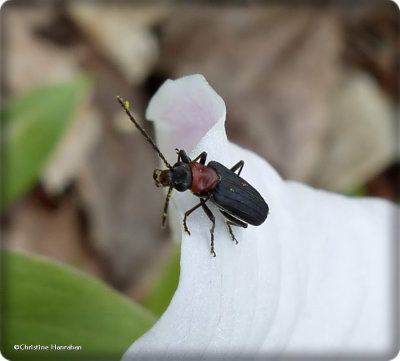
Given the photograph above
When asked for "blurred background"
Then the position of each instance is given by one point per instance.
(314, 90)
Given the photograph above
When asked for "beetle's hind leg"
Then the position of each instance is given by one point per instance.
(239, 165)
(228, 223)
(232, 221)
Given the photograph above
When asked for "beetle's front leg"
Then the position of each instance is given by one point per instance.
(182, 156)
(202, 156)
(165, 213)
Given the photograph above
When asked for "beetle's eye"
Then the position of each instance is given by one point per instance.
(157, 177)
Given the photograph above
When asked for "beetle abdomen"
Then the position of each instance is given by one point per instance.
(237, 197)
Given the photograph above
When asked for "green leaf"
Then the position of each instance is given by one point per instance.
(360, 191)
(33, 124)
(160, 295)
(46, 304)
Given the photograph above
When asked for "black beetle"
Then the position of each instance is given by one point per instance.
(236, 199)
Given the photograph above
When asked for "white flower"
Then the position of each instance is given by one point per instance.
(316, 278)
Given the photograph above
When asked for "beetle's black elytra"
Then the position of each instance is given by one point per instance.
(235, 198)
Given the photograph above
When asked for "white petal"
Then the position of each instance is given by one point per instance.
(184, 111)
(315, 278)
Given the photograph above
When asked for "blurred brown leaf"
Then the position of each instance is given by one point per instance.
(29, 59)
(122, 33)
(52, 229)
(123, 206)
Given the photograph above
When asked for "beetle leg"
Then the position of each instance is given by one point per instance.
(202, 156)
(228, 223)
(187, 213)
(182, 156)
(212, 219)
(164, 217)
(238, 224)
(232, 221)
(239, 165)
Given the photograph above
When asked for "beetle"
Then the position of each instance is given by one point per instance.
(239, 202)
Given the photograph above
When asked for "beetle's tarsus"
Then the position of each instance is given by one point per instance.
(212, 241)
(232, 235)
(186, 228)
(231, 232)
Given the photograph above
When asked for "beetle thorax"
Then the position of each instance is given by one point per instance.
(204, 178)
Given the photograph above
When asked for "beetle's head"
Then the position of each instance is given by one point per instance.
(178, 177)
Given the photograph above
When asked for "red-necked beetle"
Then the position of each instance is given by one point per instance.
(236, 199)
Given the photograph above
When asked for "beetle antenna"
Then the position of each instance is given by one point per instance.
(125, 105)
